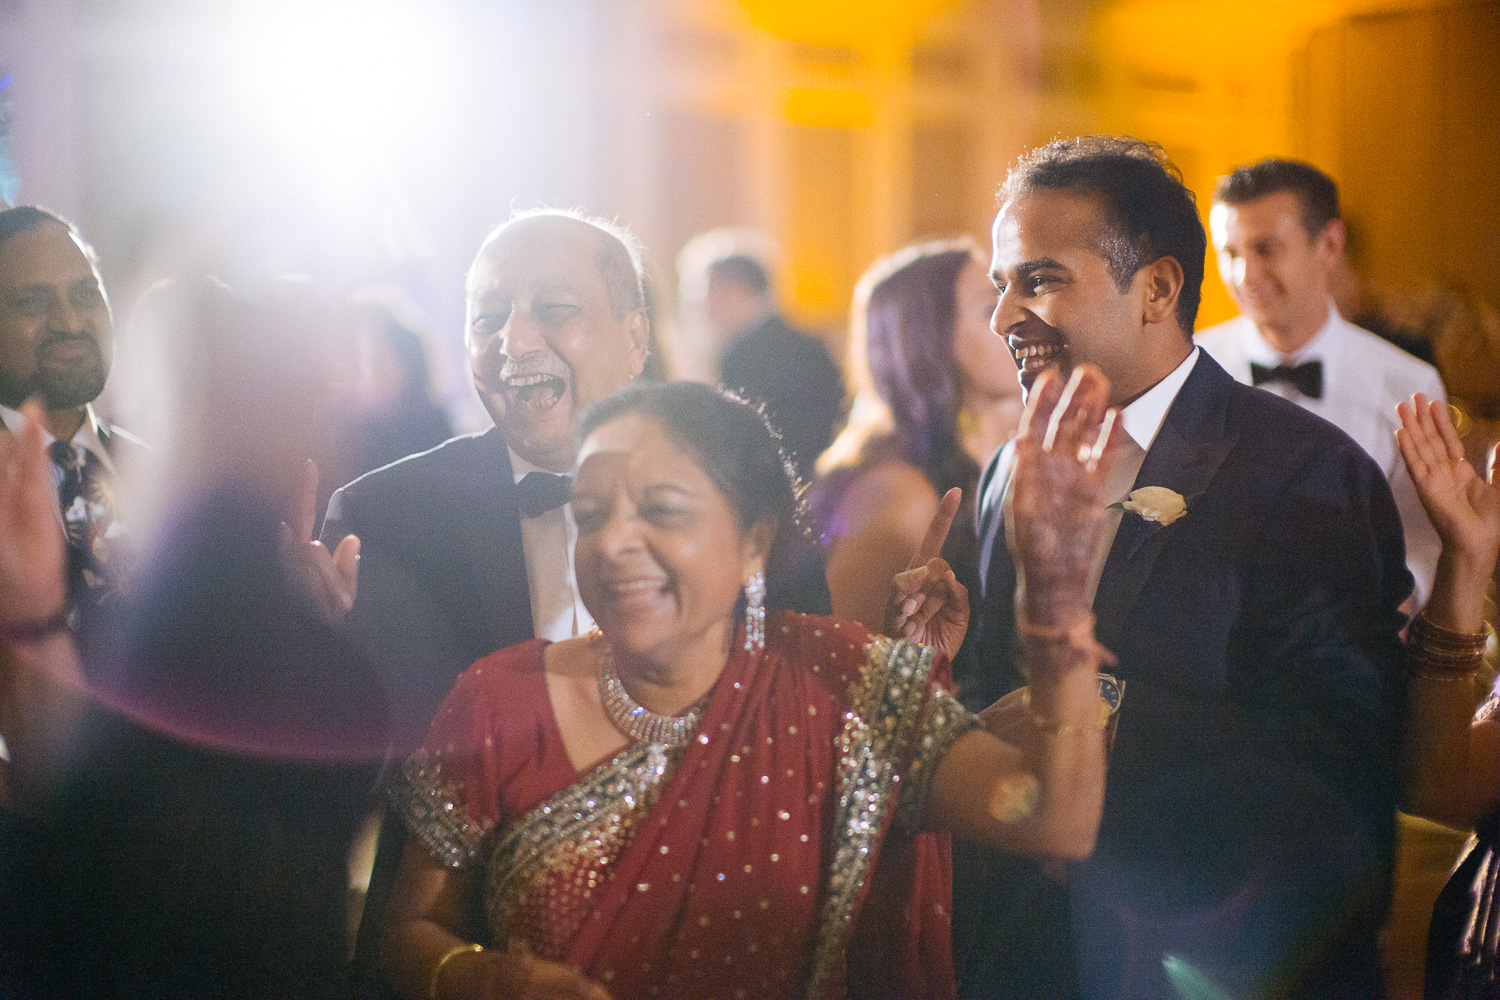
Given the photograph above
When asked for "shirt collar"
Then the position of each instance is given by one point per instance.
(88, 436)
(1262, 353)
(519, 466)
(1143, 417)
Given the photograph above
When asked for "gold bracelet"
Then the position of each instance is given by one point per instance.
(1448, 639)
(1052, 727)
(1435, 652)
(449, 955)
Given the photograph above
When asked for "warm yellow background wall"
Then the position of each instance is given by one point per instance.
(847, 129)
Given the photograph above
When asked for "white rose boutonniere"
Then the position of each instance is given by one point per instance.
(1155, 503)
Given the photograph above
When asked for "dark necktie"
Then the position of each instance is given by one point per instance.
(88, 512)
(1306, 378)
(540, 492)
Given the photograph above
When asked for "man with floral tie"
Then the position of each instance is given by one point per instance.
(56, 345)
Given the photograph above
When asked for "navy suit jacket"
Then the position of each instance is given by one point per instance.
(1249, 817)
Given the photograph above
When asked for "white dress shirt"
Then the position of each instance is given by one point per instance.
(1141, 419)
(1364, 377)
(557, 612)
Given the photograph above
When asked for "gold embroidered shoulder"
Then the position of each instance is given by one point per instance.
(431, 807)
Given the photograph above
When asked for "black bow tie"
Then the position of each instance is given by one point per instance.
(540, 492)
(1306, 378)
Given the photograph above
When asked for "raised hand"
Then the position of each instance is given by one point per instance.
(1064, 450)
(1464, 508)
(328, 580)
(927, 604)
(33, 583)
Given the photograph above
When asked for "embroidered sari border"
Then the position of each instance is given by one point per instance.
(607, 796)
(943, 721)
(879, 729)
(431, 807)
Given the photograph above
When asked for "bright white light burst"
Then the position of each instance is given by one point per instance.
(341, 83)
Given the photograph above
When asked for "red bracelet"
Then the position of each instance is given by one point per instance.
(1078, 636)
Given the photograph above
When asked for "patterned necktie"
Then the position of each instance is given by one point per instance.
(88, 513)
(1306, 378)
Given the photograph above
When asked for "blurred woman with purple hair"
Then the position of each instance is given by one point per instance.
(936, 395)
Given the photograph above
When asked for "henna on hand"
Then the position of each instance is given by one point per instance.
(1064, 451)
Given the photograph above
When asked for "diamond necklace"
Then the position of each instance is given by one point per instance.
(635, 720)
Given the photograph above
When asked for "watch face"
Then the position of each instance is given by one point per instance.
(1111, 690)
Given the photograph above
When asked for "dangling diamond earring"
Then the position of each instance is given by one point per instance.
(755, 613)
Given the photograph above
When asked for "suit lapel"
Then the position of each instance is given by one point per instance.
(496, 554)
(1187, 452)
(994, 552)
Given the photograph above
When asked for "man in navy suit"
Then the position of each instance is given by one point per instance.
(1252, 600)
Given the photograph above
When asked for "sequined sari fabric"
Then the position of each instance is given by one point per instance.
(778, 855)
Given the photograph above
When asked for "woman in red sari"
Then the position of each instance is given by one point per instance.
(706, 800)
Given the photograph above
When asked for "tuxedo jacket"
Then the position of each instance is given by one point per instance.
(1249, 816)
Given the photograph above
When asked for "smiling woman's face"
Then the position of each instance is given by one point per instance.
(660, 557)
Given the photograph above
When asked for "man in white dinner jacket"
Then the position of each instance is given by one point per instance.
(1276, 228)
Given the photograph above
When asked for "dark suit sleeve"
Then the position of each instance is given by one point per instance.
(1319, 642)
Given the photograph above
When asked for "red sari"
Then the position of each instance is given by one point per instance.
(749, 868)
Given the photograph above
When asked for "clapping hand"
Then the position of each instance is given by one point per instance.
(1065, 448)
(927, 604)
(328, 580)
(1465, 508)
(33, 586)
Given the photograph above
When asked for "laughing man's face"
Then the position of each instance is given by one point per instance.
(542, 337)
(1059, 305)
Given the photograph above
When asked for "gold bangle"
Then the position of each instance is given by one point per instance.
(449, 955)
(1433, 651)
(1429, 634)
(1418, 673)
(1053, 727)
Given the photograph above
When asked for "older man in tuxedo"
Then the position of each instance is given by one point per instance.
(1249, 586)
(467, 548)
